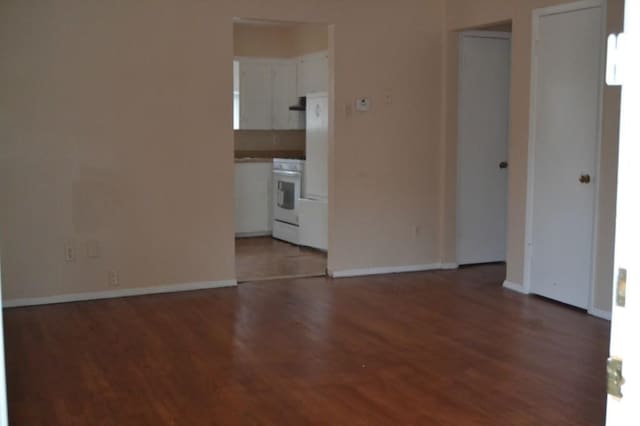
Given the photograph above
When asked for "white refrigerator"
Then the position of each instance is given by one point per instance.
(313, 206)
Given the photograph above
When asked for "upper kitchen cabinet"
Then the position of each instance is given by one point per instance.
(284, 76)
(255, 88)
(268, 87)
(313, 73)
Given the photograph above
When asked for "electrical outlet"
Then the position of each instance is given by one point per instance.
(69, 252)
(114, 279)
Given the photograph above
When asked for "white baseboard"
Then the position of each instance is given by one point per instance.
(514, 287)
(600, 314)
(593, 311)
(384, 270)
(110, 294)
(253, 234)
(449, 266)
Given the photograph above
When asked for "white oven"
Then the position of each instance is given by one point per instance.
(287, 185)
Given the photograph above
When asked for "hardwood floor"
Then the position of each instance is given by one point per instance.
(266, 258)
(437, 348)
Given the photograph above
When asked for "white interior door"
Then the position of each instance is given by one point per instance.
(567, 84)
(626, 316)
(483, 132)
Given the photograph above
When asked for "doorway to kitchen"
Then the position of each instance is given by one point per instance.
(483, 139)
(281, 148)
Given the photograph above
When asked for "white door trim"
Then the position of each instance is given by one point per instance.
(487, 34)
(537, 15)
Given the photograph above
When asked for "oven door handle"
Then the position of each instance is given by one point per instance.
(280, 198)
(286, 173)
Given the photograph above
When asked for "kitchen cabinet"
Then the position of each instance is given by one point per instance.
(268, 87)
(313, 73)
(253, 198)
(255, 88)
(284, 75)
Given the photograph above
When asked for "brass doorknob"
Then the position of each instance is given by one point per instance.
(585, 179)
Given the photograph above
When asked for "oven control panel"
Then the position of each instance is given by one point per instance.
(288, 164)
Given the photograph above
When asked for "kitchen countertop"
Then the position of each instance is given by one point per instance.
(254, 160)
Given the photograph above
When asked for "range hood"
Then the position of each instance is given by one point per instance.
(301, 105)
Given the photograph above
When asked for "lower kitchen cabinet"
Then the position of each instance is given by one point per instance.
(253, 198)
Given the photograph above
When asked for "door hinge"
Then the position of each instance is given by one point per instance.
(614, 377)
(617, 57)
(621, 288)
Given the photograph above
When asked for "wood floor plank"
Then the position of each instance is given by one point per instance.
(265, 258)
(434, 348)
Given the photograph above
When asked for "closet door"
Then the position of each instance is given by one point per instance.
(483, 133)
(563, 153)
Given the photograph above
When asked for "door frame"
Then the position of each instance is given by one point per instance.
(501, 35)
(331, 94)
(536, 17)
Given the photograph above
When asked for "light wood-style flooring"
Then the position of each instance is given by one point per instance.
(435, 348)
(265, 258)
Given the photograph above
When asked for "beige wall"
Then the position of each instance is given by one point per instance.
(310, 39)
(113, 129)
(465, 14)
(270, 40)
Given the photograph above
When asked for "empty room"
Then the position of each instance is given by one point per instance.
(362, 212)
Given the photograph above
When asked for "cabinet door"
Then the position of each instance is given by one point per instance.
(255, 95)
(320, 74)
(303, 76)
(313, 73)
(284, 91)
(317, 148)
(253, 198)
